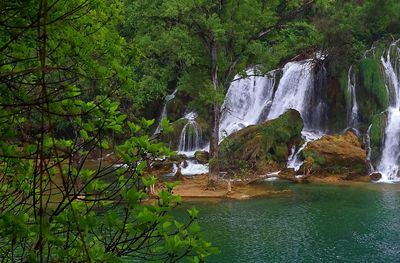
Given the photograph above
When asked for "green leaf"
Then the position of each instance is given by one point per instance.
(84, 134)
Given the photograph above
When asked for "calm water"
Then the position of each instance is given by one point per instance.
(316, 223)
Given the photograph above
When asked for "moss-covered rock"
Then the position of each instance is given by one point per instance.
(372, 95)
(261, 148)
(376, 135)
(201, 156)
(336, 155)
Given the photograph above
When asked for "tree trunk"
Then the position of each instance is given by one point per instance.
(214, 168)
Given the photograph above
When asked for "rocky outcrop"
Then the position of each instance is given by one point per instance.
(340, 155)
(261, 148)
(201, 156)
(375, 176)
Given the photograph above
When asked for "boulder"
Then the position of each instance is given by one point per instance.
(201, 157)
(261, 148)
(336, 155)
(375, 176)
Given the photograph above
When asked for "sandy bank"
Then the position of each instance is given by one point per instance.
(196, 187)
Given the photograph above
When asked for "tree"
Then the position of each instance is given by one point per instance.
(349, 28)
(204, 44)
(61, 63)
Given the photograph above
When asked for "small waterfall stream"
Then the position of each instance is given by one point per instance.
(191, 136)
(190, 141)
(352, 118)
(294, 160)
(389, 165)
(163, 114)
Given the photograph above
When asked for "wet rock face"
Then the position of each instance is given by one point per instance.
(201, 157)
(375, 176)
(263, 147)
(337, 155)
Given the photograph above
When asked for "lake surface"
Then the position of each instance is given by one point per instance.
(315, 223)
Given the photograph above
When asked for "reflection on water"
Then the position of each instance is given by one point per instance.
(316, 223)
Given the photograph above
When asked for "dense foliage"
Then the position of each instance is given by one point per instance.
(62, 63)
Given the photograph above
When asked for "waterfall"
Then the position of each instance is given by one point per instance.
(253, 99)
(191, 136)
(247, 102)
(167, 99)
(297, 90)
(390, 159)
(190, 141)
(352, 119)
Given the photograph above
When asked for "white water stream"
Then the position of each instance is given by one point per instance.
(246, 101)
(253, 100)
(163, 114)
(352, 118)
(389, 165)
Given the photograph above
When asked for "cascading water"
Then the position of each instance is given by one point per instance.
(247, 100)
(190, 138)
(294, 160)
(352, 118)
(294, 89)
(167, 99)
(190, 141)
(252, 100)
(297, 90)
(389, 165)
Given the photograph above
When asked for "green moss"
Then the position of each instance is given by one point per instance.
(318, 160)
(376, 134)
(343, 80)
(373, 95)
(269, 141)
(281, 152)
(176, 109)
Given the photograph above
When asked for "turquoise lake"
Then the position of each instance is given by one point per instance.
(315, 223)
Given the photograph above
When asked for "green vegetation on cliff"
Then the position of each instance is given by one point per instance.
(377, 134)
(263, 147)
(373, 94)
